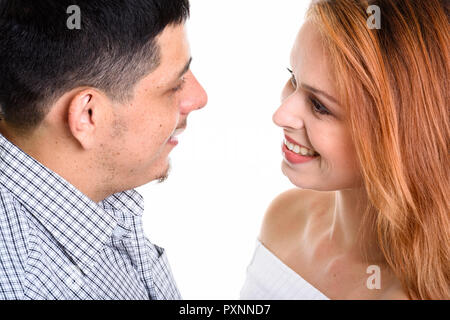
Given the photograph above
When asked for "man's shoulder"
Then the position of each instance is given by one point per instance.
(13, 246)
(10, 208)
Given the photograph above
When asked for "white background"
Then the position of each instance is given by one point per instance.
(227, 166)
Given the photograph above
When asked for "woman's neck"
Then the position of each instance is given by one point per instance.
(349, 231)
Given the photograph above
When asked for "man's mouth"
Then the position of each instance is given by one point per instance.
(173, 138)
(178, 131)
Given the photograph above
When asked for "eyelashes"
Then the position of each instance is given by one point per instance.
(180, 86)
(318, 107)
(315, 104)
(293, 81)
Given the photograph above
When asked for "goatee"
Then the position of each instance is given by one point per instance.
(165, 176)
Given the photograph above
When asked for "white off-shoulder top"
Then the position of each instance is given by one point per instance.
(268, 278)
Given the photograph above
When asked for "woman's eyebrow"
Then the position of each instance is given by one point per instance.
(319, 92)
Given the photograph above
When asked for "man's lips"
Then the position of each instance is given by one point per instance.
(173, 138)
(178, 131)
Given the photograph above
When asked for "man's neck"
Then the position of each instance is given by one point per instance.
(60, 157)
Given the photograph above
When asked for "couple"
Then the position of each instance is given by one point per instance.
(89, 113)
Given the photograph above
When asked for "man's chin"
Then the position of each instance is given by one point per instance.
(162, 178)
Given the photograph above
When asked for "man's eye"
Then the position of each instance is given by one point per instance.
(177, 88)
(180, 86)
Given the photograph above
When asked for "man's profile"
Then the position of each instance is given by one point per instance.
(87, 115)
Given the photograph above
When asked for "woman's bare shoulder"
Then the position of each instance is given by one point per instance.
(287, 214)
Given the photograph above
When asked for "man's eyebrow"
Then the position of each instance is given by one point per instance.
(317, 91)
(185, 69)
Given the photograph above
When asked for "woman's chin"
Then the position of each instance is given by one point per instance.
(295, 179)
(304, 183)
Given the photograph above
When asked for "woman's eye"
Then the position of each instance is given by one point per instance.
(318, 107)
(293, 81)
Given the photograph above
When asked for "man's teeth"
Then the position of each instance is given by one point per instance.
(299, 150)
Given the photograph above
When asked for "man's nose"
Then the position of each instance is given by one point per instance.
(195, 96)
(290, 114)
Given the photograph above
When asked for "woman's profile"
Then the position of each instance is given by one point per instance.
(366, 122)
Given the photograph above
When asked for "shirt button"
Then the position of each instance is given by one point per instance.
(74, 279)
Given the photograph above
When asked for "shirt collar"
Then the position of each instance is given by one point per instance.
(79, 224)
(129, 203)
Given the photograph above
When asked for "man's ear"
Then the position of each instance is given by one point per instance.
(84, 117)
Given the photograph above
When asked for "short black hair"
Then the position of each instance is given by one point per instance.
(41, 58)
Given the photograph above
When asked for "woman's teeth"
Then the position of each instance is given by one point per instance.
(300, 150)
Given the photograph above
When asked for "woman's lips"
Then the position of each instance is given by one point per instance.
(293, 157)
(295, 142)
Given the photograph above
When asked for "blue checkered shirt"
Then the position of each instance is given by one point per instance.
(56, 243)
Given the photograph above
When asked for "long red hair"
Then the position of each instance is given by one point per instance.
(394, 84)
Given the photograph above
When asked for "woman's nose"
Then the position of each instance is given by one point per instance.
(289, 114)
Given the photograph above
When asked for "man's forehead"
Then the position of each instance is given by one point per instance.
(174, 54)
(173, 44)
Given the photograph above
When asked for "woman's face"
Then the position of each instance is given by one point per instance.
(311, 116)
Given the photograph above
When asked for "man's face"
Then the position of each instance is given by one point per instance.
(140, 138)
